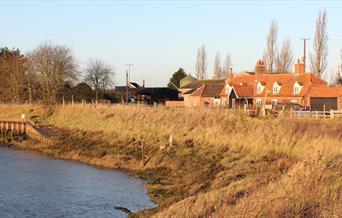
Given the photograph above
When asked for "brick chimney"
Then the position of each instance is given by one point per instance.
(260, 69)
(230, 74)
(299, 67)
(143, 83)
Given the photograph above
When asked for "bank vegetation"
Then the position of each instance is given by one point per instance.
(219, 164)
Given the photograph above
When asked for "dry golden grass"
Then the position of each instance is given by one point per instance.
(221, 164)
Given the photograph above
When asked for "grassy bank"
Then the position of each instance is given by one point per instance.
(221, 164)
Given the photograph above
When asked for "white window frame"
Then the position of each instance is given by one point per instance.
(296, 88)
(224, 102)
(260, 88)
(276, 88)
(274, 100)
(258, 101)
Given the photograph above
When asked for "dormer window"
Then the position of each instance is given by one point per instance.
(276, 87)
(260, 88)
(297, 88)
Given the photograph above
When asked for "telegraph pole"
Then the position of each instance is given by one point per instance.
(304, 57)
(128, 79)
(129, 71)
(126, 87)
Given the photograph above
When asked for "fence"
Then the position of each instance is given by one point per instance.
(317, 114)
(27, 128)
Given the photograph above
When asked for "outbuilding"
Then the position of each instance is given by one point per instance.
(325, 98)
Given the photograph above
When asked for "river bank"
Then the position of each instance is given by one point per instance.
(220, 164)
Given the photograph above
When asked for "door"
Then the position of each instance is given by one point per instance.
(320, 104)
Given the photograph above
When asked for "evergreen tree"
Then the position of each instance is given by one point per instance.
(176, 78)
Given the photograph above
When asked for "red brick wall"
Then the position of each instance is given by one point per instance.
(174, 103)
(207, 99)
(281, 100)
(191, 101)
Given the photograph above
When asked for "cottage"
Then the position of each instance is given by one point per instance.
(259, 88)
(298, 88)
(202, 92)
(206, 95)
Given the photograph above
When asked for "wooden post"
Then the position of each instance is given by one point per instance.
(72, 100)
(324, 111)
(316, 114)
(142, 155)
(170, 140)
(63, 101)
(332, 114)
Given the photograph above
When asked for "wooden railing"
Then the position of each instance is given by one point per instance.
(27, 128)
(317, 114)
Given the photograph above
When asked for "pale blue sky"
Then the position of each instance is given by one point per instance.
(158, 37)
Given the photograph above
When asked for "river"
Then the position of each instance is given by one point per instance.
(34, 185)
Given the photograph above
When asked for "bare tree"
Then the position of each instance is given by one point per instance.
(218, 72)
(204, 62)
(201, 63)
(12, 70)
(338, 75)
(198, 64)
(319, 56)
(54, 64)
(271, 47)
(30, 84)
(226, 66)
(99, 76)
(284, 59)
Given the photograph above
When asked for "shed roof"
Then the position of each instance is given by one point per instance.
(325, 92)
(197, 83)
(209, 90)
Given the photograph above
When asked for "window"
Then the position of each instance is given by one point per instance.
(297, 88)
(217, 101)
(274, 102)
(260, 88)
(258, 102)
(276, 88)
(224, 102)
(294, 101)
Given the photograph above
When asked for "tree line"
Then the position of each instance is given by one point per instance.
(282, 61)
(50, 73)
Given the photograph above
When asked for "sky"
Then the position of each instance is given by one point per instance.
(158, 37)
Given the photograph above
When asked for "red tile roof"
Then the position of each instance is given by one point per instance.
(324, 91)
(197, 83)
(209, 90)
(243, 91)
(244, 78)
(287, 81)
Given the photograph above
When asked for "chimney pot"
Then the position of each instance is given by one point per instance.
(259, 69)
(299, 67)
